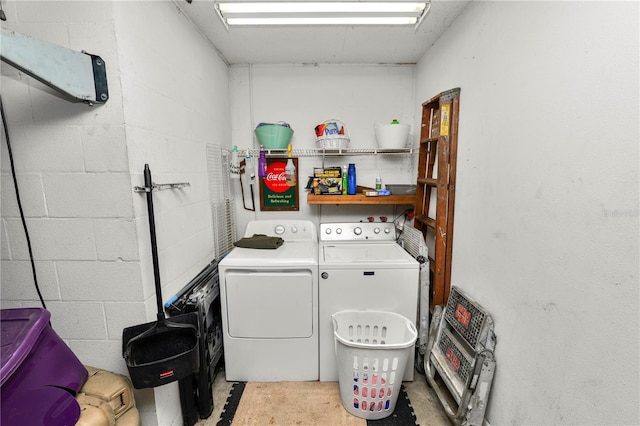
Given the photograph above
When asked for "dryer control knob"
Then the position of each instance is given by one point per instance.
(324, 275)
(327, 231)
(387, 230)
(294, 229)
(339, 231)
(279, 230)
(357, 230)
(376, 231)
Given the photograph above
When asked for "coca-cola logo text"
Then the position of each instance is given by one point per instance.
(276, 179)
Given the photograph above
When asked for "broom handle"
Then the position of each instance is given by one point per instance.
(148, 184)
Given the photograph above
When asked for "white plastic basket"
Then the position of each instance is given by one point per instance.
(332, 143)
(372, 350)
(327, 138)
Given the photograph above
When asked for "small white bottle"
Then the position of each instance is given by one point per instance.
(378, 183)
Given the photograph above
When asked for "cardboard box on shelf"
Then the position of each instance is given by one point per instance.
(327, 181)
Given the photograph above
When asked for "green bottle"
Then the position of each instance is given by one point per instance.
(344, 180)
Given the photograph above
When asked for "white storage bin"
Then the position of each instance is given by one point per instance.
(392, 136)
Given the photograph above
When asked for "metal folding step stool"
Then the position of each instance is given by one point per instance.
(460, 350)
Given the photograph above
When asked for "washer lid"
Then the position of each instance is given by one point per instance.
(384, 255)
(290, 254)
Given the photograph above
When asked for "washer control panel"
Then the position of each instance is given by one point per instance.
(359, 231)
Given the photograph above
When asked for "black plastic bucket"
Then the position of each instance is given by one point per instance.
(163, 351)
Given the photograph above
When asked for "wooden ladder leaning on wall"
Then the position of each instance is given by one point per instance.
(438, 152)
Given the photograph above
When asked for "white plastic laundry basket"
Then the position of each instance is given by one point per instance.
(372, 349)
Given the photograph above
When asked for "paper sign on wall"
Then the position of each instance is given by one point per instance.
(444, 120)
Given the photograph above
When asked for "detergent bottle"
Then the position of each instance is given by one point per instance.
(344, 180)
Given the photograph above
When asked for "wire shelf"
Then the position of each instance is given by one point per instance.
(315, 152)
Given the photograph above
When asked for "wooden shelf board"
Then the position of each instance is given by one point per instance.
(361, 199)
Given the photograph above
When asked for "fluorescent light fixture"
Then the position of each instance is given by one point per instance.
(322, 13)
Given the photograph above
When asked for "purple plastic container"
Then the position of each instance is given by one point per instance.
(39, 374)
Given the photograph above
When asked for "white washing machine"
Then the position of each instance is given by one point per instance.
(269, 305)
(362, 267)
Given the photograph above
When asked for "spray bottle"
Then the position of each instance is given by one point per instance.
(290, 169)
(262, 164)
(234, 166)
(248, 167)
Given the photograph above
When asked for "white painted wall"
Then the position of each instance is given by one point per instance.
(77, 167)
(307, 95)
(546, 220)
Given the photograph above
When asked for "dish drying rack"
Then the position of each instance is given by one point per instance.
(413, 242)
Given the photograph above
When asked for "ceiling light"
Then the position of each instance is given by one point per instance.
(322, 13)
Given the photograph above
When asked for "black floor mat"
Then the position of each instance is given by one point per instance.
(230, 407)
(403, 414)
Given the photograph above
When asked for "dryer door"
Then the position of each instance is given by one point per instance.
(269, 304)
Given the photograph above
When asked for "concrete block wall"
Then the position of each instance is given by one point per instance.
(175, 101)
(73, 175)
(77, 166)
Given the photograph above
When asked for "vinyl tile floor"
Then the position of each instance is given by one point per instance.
(426, 407)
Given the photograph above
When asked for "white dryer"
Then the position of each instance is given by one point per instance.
(269, 305)
(362, 268)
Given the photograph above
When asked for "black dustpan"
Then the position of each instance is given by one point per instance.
(162, 351)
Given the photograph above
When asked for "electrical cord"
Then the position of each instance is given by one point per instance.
(402, 215)
(24, 222)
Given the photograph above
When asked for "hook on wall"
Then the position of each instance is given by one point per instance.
(160, 186)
